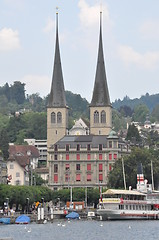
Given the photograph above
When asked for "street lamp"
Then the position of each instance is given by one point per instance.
(59, 202)
(27, 201)
(42, 202)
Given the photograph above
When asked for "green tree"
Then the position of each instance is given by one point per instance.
(18, 92)
(131, 162)
(15, 125)
(4, 143)
(140, 113)
(36, 125)
(118, 121)
(133, 134)
(155, 112)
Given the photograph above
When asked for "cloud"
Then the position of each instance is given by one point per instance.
(89, 15)
(148, 60)
(50, 25)
(9, 39)
(149, 29)
(36, 83)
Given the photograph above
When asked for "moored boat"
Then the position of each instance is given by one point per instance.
(5, 220)
(142, 203)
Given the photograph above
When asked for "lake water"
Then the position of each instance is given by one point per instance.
(83, 230)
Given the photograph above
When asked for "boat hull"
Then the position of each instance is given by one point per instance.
(105, 214)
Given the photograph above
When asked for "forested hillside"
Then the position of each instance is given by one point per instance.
(149, 100)
(24, 116)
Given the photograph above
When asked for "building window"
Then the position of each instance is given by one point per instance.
(78, 156)
(88, 177)
(115, 144)
(96, 117)
(53, 117)
(103, 117)
(88, 167)
(110, 156)
(101, 177)
(88, 147)
(55, 157)
(17, 174)
(100, 156)
(100, 147)
(115, 156)
(67, 167)
(88, 156)
(59, 117)
(100, 167)
(67, 156)
(55, 168)
(67, 147)
(110, 144)
(67, 178)
(78, 177)
(77, 167)
(12, 166)
(78, 147)
(17, 182)
(55, 148)
(55, 178)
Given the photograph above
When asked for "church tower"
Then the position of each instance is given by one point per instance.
(57, 111)
(100, 107)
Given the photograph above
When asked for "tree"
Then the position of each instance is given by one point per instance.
(126, 111)
(4, 143)
(131, 162)
(18, 92)
(118, 121)
(155, 112)
(140, 113)
(133, 134)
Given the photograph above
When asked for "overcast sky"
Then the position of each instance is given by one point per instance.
(130, 41)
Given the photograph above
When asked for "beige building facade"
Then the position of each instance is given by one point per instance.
(80, 160)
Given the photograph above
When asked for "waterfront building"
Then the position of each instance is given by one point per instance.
(22, 160)
(41, 145)
(80, 158)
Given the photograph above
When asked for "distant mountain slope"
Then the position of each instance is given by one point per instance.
(149, 100)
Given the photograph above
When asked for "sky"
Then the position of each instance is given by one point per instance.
(130, 41)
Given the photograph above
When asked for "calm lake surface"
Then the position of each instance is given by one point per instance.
(81, 230)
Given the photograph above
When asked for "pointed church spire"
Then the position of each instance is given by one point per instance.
(57, 94)
(100, 92)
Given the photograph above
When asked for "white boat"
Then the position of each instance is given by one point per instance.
(142, 203)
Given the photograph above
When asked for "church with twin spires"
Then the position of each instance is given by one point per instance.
(80, 160)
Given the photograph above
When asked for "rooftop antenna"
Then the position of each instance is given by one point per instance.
(101, 6)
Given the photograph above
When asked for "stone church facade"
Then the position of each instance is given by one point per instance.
(80, 160)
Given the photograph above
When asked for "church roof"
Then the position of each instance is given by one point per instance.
(57, 94)
(83, 140)
(100, 92)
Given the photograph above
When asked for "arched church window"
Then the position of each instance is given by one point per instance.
(103, 117)
(96, 117)
(59, 117)
(53, 117)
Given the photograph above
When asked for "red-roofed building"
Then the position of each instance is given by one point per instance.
(21, 159)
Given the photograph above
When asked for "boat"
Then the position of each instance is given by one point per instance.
(22, 219)
(5, 220)
(141, 203)
(72, 215)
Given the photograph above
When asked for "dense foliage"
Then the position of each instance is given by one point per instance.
(18, 194)
(131, 162)
(149, 100)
